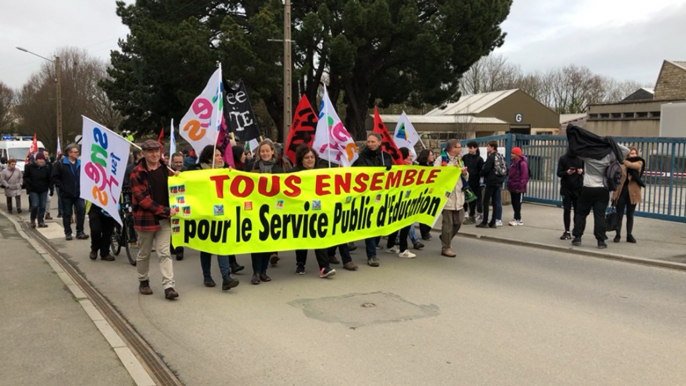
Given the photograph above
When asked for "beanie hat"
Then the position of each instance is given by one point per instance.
(40, 156)
(517, 151)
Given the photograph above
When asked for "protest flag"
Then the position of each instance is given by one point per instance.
(224, 145)
(303, 128)
(172, 140)
(59, 149)
(332, 141)
(239, 114)
(251, 146)
(33, 148)
(387, 143)
(406, 135)
(201, 123)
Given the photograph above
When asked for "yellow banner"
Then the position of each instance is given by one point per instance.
(224, 211)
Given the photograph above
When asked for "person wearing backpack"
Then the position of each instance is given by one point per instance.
(516, 183)
(601, 157)
(493, 172)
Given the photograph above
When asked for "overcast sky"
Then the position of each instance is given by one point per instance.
(624, 39)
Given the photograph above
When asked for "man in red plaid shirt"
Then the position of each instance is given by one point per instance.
(151, 214)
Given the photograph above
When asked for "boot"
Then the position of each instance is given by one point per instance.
(229, 283)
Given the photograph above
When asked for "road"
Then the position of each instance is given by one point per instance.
(497, 314)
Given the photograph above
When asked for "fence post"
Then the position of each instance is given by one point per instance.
(671, 179)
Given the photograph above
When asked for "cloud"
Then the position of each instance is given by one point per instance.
(629, 46)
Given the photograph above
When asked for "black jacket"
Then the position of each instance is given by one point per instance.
(488, 173)
(374, 158)
(38, 178)
(574, 181)
(586, 144)
(474, 164)
(66, 177)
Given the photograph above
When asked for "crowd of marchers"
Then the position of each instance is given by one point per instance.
(476, 199)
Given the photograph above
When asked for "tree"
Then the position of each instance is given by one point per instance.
(491, 73)
(6, 102)
(392, 51)
(36, 103)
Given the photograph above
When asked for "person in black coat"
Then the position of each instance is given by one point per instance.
(494, 185)
(373, 155)
(570, 169)
(474, 164)
(66, 176)
(426, 158)
(38, 183)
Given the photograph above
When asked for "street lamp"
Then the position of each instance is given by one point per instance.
(58, 74)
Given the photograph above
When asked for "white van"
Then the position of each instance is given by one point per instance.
(17, 150)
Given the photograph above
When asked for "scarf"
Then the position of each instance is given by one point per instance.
(265, 166)
(637, 174)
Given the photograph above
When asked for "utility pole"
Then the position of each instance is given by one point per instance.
(287, 64)
(58, 74)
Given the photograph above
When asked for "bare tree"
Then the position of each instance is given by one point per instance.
(6, 101)
(81, 95)
(490, 73)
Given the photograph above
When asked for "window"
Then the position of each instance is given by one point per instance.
(18, 153)
(616, 115)
(642, 115)
(605, 116)
(628, 115)
(655, 114)
(594, 116)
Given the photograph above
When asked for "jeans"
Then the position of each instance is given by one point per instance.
(624, 205)
(370, 245)
(413, 235)
(517, 204)
(68, 204)
(102, 227)
(37, 208)
(403, 238)
(260, 262)
(570, 199)
(162, 239)
(206, 263)
(492, 194)
(59, 202)
(345, 253)
(595, 199)
(498, 211)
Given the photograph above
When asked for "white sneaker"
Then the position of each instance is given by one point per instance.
(520, 222)
(514, 223)
(407, 255)
(498, 223)
(394, 250)
(479, 217)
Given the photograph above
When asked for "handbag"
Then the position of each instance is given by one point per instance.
(611, 218)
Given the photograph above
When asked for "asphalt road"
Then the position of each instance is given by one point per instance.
(496, 315)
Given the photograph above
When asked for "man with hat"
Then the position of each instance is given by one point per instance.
(151, 215)
(38, 183)
(518, 178)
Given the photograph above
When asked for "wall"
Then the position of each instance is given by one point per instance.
(671, 84)
(535, 114)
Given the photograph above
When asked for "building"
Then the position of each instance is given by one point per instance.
(572, 119)
(638, 115)
(482, 115)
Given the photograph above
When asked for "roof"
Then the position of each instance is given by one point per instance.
(678, 63)
(566, 118)
(472, 104)
(442, 119)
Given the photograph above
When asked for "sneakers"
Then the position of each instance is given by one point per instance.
(68, 237)
(479, 217)
(350, 266)
(566, 236)
(229, 283)
(144, 287)
(394, 250)
(448, 252)
(601, 245)
(514, 223)
(209, 282)
(170, 294)
(373, 261)
(406, 254)
(498, 223)
(418, 245)
(300, 270)
(326, 272)
(576, 242)
(81, 236)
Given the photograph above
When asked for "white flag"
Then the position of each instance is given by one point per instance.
(405, 135)
(251, 146)
(200, 126)
(59, 149)
(103, 165)
(331, 140)
(172, 140)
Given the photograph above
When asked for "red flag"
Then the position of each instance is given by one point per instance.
(33, 148)
(387, 143)
(160, 139)
(303, 128)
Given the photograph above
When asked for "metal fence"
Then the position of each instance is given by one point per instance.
(664, 196)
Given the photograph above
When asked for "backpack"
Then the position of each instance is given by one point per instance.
(499, 165)
(613, 173)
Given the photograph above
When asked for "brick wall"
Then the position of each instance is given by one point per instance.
(671, 84)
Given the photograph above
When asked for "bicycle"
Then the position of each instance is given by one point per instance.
(128, 238)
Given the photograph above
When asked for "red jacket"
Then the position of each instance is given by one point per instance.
(147, 213)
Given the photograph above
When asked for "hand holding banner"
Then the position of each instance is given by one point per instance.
(103, 165)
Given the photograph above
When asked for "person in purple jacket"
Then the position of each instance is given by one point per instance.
(517, 179)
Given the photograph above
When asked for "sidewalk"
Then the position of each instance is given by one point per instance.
(659, 242)
(47, 337)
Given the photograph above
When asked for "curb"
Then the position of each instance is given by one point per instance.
(576, 251)
(130, 362)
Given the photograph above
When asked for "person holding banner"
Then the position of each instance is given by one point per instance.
(306, 159)
(373, 155)
(404, 233)
(207, 162)
(265, 163)
(177, 165)
(102, 226)
(426, 158)
(66, 176)
(453, 211)
(151, 215)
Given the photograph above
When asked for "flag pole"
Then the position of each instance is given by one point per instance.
(328, 132)
(217, 121)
